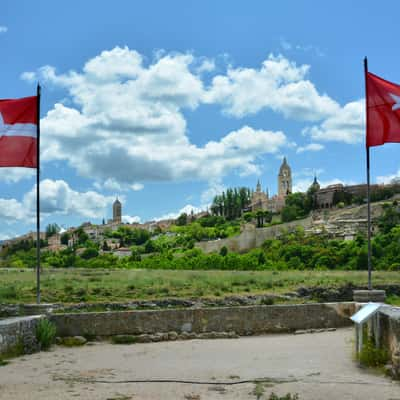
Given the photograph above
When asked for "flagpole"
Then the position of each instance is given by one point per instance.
(368, 180)
(38, 197)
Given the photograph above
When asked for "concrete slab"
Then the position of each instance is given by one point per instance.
(316, 366)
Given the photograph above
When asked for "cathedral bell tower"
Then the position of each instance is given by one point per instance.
(284, 179)
(117, 211)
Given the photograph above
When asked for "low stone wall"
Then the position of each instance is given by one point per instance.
(389, 320)
(252, 237)
(241, 320)
(18, 335)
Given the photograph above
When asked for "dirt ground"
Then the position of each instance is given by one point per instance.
(316, 366)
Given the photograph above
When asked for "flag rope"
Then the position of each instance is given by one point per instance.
(38, 198)
(368, 180)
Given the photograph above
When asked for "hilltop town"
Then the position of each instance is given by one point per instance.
(335, 209)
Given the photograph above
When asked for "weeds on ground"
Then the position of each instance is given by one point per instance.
(258, 390)
(287, 396)
(3, 362)
(371, 356)
(45, 333)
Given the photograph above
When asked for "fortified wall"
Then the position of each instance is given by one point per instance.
(252, 237)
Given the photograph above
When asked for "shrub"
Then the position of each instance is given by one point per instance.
(73, 341)
(224, 251)
(371, 356)
(45, 333)
(124, 339)
(267, 301)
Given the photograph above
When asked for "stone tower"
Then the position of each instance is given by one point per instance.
(315, 185)
(284, 179)
(117, 211)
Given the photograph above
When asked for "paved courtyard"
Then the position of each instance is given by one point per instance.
(316, 366)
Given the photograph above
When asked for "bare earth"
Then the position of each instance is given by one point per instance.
(316, 366)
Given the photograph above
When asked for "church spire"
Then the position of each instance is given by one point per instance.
(258, 188)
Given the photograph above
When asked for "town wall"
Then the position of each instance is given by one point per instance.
(251, 237)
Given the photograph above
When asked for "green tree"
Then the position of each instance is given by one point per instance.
(182, 219)
(64, 238)
(289, 213)
(52, 229)
(224, 251)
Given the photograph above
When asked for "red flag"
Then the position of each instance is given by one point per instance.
(383, 111)
(18, 132)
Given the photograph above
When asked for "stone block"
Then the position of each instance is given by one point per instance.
(366, 296)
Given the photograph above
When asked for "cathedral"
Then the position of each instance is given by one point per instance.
(261, 200)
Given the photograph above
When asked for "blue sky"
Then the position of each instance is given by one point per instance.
(166, 104)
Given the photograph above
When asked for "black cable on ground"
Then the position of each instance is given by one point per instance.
(229, 383)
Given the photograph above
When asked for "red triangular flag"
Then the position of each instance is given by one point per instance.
(383, 111)
(18, 136)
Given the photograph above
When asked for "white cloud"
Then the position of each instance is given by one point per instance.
(13, 175)
(7, 234)
(279, 85)
(346, 125)
(310, 147)
(287, 46)
(174, 215)
(137, 187)
(126, 125)
(56, 197)
(206, 65)
(113, 185)
(215, 187)
(3, 29)
(124, 121)
(12, 211)
(308, 172)
(302, 185)
(388, 178)
(28, 76)
(130, 219)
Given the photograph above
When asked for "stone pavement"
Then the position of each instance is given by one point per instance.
(317, 366)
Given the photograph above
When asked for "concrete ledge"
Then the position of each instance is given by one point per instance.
(241, 320)
(365, 296)
(18, 334)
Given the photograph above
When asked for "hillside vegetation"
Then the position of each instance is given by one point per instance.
(174, 250)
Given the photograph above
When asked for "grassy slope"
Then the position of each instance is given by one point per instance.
(121, 285)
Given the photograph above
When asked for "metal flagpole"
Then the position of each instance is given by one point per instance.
(38, 198)
(368, 181)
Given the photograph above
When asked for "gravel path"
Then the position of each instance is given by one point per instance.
(316, 366)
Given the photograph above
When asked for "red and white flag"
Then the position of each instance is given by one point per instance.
(18, 132)
(383, 111)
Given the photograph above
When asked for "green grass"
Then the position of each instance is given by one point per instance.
(394, 300)
(72, 285)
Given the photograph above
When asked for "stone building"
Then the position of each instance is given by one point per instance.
(117, 211)
(261, 200)
(328, 197)
(284, 179)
